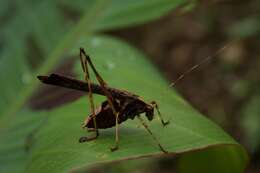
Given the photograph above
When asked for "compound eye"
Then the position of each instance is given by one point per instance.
(153, 103)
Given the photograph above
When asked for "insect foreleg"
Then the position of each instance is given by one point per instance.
(155, 105)
(150, 132)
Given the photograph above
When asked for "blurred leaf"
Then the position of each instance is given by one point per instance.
(130, 12)
(244, 28)
(57, 148)
(190, 6)
(250, 122)
(16, 141)
(240, 88)
(212, 160)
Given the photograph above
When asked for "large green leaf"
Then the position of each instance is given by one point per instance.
(57, 148)
(34, 36)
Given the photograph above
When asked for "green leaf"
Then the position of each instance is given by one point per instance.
(244, 28)
(128, 13)
(16, 140)
(57, 148)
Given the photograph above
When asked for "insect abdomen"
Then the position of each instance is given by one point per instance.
(105, 121)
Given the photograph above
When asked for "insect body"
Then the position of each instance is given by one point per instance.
(127, 109)
(119, 105)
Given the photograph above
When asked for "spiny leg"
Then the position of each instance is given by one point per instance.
(164, 123)
(84, 65)
(107, 94)
(150, 132)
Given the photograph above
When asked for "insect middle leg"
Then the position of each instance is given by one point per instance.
(84, 65)
(150, 132)
(107, 94)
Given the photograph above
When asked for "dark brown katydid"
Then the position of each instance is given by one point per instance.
(119, 105)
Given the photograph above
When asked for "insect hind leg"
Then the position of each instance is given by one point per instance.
(87, 139)
(106, 93)
(84, 65)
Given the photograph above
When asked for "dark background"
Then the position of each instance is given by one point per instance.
(225, 88)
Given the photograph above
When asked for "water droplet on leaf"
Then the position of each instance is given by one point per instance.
(110, 65)
(96, 42)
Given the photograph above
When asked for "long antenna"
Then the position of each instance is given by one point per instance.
(199, 64)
